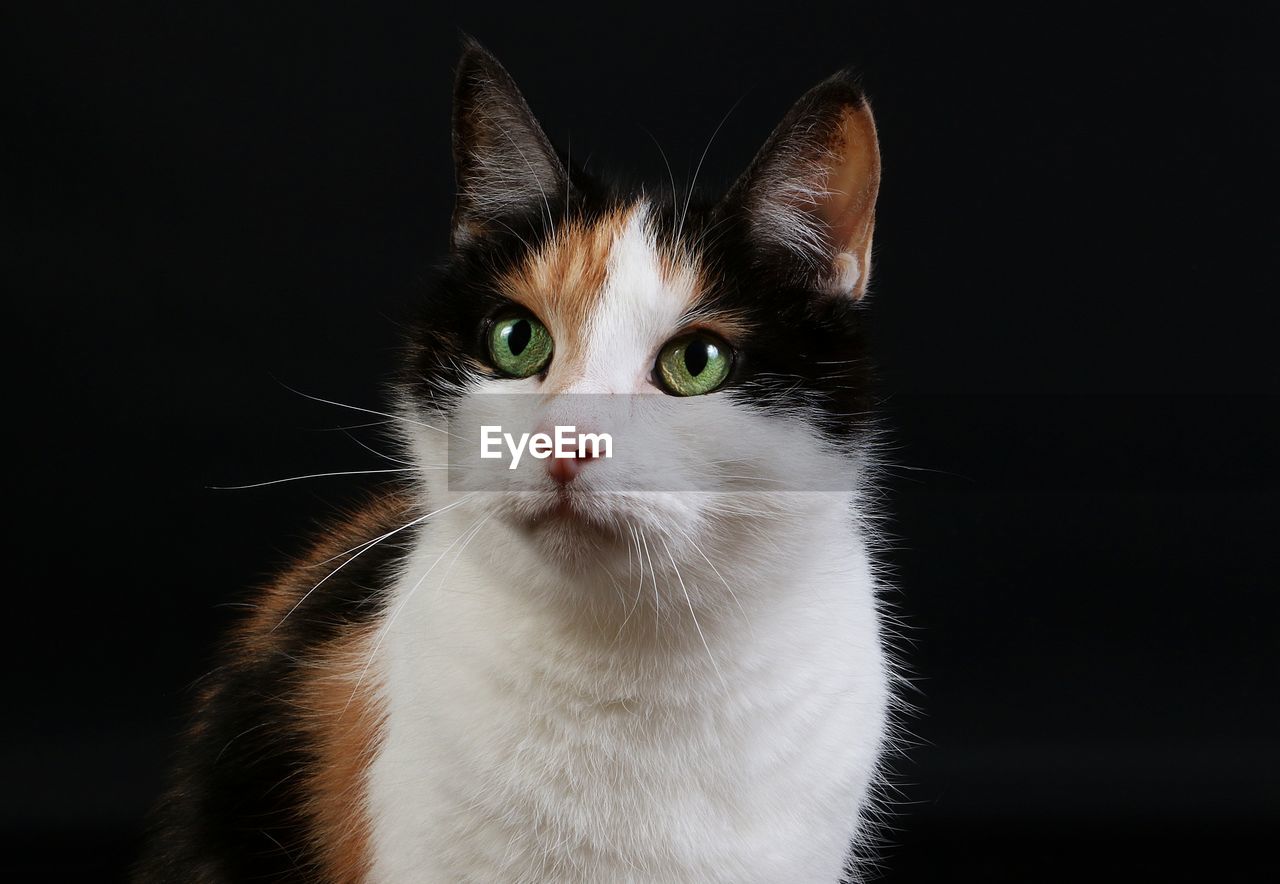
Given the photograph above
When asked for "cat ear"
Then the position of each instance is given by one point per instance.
(503, 162)
(809, 196)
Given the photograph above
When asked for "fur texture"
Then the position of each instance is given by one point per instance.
(577, 681)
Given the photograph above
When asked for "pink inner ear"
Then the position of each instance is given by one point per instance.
(848, 207)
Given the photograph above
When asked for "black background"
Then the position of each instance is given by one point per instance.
(1076, 307)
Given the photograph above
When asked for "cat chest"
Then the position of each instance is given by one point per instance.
(503, 782)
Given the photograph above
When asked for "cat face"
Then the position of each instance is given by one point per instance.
(719, 344)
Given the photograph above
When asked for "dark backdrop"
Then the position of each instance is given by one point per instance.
(1076, 309)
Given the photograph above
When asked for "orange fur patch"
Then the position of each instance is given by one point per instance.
(344, 720)
(337, 702)
(561, 282)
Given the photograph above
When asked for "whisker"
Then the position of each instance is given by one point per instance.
(394, 417)
(524, 242)
(386, 628)
(369, 448)
(701, 159)
(339, 555)
(345, 428)
(366, 547)
(653, 574)
(308, 476)
(675, 194)
(696, 625)
(716, 571)
(639, 586)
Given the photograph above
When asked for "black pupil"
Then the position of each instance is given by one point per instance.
(518, 336)
(695, 357)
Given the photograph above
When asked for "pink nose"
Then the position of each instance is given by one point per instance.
(564, 470)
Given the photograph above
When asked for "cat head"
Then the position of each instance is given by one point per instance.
(719, 342)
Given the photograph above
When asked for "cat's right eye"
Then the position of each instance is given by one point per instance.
(519, 345)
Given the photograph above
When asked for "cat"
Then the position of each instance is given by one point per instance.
(559, 677)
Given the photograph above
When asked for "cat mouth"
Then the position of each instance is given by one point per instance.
(573, 510)
(564, 507)
(569, 506)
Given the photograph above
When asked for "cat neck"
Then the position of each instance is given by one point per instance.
(660, 614)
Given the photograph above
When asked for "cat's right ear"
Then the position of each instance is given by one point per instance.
(504, 165)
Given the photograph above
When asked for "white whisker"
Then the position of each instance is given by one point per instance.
(639, 586)
(696, 625)
(309, 476)
(386, 628)
(372, 450)
(368, 545)
(716, 571)
(394, 417)
(693, 184)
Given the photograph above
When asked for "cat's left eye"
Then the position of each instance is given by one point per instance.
(694, 364)
(519, 344)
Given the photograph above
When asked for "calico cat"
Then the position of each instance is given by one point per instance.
(558, 677)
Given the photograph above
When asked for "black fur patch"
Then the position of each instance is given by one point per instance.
(800, 346)
(233, 813)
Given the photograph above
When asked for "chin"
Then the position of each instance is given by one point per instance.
(583, 525)
(571, 520)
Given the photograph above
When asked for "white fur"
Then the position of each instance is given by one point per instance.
(847, 274)
(693, 689)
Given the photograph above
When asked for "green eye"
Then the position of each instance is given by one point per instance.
(520, 345)
(693, 364)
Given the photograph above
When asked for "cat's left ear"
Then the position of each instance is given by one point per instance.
(504, 164)
(809, 196)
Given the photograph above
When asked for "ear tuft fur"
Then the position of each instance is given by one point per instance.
(503, 162)
(809, 195)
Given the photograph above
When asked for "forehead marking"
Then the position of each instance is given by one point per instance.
(562, 281)
(645, 295)
(610, 295)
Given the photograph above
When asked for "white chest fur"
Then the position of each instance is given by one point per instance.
(524, 745)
